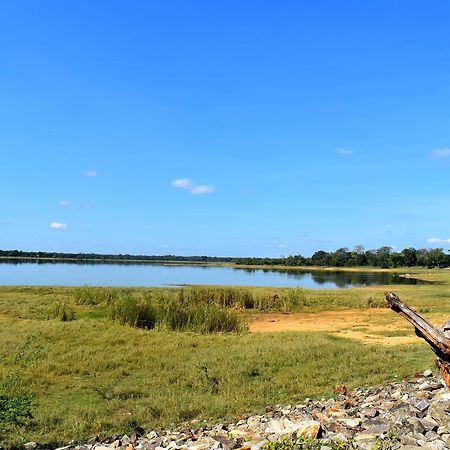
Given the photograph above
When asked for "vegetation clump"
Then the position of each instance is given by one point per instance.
(244, 298)
(16, 402)
(14, 408)
(134, 310)
(174, 311)
(302, 443)
(62, 312)
(375, 302)
(201, 317)
(96, 295)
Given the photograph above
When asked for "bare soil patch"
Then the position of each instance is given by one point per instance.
(368, 326)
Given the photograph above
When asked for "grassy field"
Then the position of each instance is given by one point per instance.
(94, 376)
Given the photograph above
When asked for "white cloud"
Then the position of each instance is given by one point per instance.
(64, 202)
(282, 246)
(90, 173)
(344, 151)
(438, 241)
(182, 183)
(193, 188)
(202, 189)
(59, 226)
(440, 153)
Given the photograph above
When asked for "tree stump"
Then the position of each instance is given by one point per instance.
(437, 337)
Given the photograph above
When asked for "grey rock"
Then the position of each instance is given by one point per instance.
(411, 447)
(408, 439)
(429, 423)
(253, 422)
(440, 413)
(431, 436)
(436, 445)
(259, 445)
(369, 412)
(446, 441)
(420, 404)
(30, 445)
(308, 428)
(417, 425)
(350, 423)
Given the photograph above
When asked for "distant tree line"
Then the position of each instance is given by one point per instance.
(383, 257)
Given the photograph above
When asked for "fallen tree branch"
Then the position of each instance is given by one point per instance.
(436, 337)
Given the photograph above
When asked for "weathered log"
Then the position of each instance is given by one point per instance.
(438, 338)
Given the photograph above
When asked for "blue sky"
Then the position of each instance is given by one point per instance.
(255, 128)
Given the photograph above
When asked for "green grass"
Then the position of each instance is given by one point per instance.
(394, 333)
(103, 378)
(93, 375)
(388, 443)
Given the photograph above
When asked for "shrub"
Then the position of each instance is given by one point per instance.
(16, 402)
(205, 318)
(134, 310)
(292, 299)
(14, 408)
(62, 312)
(372, 302)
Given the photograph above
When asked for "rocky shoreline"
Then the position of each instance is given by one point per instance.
(409, 415)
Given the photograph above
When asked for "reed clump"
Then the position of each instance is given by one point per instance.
(91, 296)
(179, 314)
(61, 311)
(375, 302)
(173, 311)
(134, 310)
(285, 300)
(205, 309)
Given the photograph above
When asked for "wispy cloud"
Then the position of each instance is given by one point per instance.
(64, 203)
(182, 183)
(202, 189)
(192, 187)
(440, 153)
(90, 173)
(344, 151)
(435, 240)
(59, 226)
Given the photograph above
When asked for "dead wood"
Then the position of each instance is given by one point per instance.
(436, 337)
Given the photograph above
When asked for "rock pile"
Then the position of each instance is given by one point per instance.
(411, 414)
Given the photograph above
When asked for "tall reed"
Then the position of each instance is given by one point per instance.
(135, 310)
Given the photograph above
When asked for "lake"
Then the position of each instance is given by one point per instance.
(138, 274)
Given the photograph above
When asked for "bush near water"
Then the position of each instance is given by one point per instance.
(202, 309)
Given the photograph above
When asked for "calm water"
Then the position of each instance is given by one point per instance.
(96, 274)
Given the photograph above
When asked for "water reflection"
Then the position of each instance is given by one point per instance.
(342, 279)
(126, 273)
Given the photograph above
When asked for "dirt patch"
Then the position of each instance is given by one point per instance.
(369, 326)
